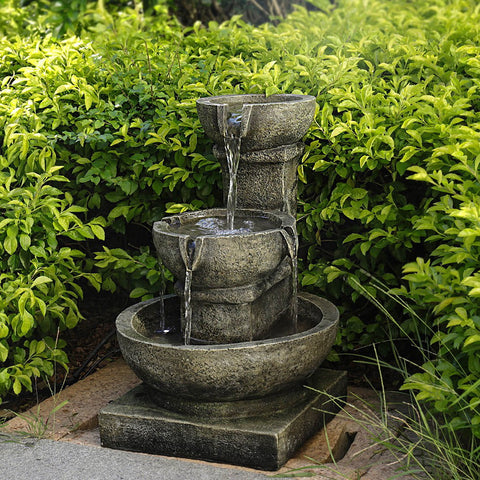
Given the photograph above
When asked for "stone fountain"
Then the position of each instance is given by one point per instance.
(226, 362)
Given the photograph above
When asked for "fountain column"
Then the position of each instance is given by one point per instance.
(271, 129)
(239, 397)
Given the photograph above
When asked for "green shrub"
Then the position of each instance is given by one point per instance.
(40, 227)
(389, 174)
(449, 281)
(39, 283)
(256, 12)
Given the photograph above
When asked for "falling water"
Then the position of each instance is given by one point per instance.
(285, 199)
(291, 239)
(162, 326)
(187, 291)
(232, 149)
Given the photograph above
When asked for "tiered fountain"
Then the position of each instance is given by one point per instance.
(225, 362)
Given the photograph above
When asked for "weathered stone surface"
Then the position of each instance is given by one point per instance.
(33, 459)
(228, 371)
(223, 260)
(239, 314)
(266, 179)
(267, 122)
(239, 282)
(266, 442)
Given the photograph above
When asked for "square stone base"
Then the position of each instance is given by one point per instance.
(134, 422)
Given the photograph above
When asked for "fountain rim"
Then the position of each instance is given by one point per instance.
(288, 98)
(287, 221)
(329, 320)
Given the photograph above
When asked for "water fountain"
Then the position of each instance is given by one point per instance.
(229, 383)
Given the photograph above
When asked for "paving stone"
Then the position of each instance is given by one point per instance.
(84, 400)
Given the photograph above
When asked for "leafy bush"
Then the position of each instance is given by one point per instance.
(39, 283)
(389, 174)
(252, 11)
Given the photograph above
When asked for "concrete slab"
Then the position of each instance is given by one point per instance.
(48, 460)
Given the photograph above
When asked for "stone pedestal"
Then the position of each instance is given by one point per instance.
(259, 433)
(266, 179)
(239, 314)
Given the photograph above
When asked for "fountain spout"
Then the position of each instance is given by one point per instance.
(240, 114)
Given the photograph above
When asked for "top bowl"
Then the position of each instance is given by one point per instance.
(266, 122)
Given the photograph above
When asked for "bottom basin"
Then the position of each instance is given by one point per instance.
(226, 371)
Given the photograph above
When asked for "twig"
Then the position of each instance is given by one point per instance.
(276, 7)
(259, 7)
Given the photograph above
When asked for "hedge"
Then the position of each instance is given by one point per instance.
(388, 184)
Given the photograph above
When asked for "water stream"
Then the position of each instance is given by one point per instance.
(187, 293)
(187, 289)
(162, 322)
(233, 143)
(291, 239)
(285, 199)
(163, 328)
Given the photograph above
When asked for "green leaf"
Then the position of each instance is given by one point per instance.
(41, 280)
(365, 247)
(3, 351)
(98, 231)
(10, 243)
(138, 292)
(472, 339)
(25, 241)
(352, 237)
(27, 323)
(17, 386)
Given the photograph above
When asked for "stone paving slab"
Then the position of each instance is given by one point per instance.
(51, 460)
(84, 400)
(343, 451)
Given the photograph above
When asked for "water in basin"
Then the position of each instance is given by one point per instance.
(219, 226)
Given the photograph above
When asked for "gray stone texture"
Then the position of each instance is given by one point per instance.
(225, 260)
(266, 179)
(267, 122)
(241, 283)
(31, 459)
(265, 441)
(240, 314)
(229, 371)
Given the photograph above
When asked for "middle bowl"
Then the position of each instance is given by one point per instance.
(222, 258)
